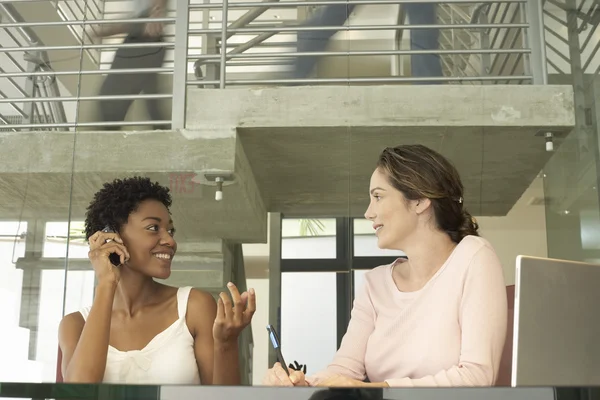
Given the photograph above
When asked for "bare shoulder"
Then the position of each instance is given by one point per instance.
(201, 299)
(202, 309)
(72, 320)
(70, 327)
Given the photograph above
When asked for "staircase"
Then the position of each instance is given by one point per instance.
(504, 62)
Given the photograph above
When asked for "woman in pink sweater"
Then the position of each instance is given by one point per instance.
(436, 319)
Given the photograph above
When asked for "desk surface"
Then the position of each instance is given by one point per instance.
(136, 392)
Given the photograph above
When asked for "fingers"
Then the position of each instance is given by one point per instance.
(238, 307)
(227, 307)
(280, 376)
(100, 238)
(110, 248)
(102, 244)
(251, 308)
(297, 378)
(272, 379)
(232, 315)
(220, 309)
(244, 305)
(244, 298)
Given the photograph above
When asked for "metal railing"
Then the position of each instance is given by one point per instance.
(74, 10)
(464, 51)
(70, 53)
(248, 43)
(500, 67)
(30, 84)
(572, 36)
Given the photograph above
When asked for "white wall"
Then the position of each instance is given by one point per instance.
(521, 232)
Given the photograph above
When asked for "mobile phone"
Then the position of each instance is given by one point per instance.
(277, 346)
(114, 258)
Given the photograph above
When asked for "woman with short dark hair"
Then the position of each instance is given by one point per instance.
(137, 330)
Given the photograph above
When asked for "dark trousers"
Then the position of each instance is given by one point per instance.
(134, 83)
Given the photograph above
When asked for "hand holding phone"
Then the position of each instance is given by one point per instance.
(114, 258)
(107, 253)
(277, 346)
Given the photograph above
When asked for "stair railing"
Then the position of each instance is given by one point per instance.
(40, 82)
(498, 56)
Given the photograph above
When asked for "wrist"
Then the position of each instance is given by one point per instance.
(108, 286)
(225, 346)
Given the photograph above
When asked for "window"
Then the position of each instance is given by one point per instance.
(308, 321)
(365, 241)
(15, 365)
(308, 238)
(323, 264)
(55, 241)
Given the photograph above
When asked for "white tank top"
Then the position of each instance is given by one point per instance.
(167, 360)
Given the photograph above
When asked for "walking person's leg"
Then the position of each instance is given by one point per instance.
(114, 110)
(132, 84)
(150, 86)
(315, 41)
(424, 65)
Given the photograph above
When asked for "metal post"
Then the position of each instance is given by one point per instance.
(180, 61)
(536, 42)
(30, 82)
(209, 46)
(224, 22)
(274, 277)
(484, 40)
(577, 76)
(595, 109)
(32, 282)
(397, 60)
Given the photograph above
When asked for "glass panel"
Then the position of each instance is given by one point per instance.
(14, 346)
(308, 323)
(79, 294)
(55, 243)
(572, 214)
(308, 238)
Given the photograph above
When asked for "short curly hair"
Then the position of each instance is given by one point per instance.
(113, 204)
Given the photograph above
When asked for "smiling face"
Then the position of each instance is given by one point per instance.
(394, 217)
(148, 236)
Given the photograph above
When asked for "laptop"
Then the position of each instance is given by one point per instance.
(556, 334)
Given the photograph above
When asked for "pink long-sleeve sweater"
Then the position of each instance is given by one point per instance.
(449, 333)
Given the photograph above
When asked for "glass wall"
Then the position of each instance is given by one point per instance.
(271, 129)
(571, 186)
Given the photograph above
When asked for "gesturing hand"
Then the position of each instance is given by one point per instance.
(232, 318)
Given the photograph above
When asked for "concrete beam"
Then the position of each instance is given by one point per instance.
(383, 106)
(54, 176)
(312, 149)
